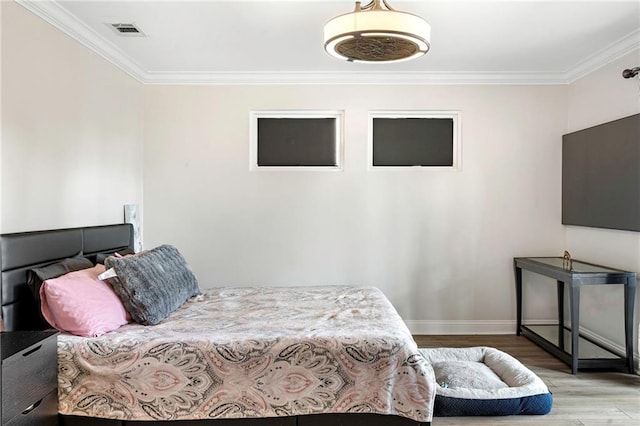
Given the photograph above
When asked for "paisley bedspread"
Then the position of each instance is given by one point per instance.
(252, 352)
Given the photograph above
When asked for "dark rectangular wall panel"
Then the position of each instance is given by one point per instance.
(601, 176)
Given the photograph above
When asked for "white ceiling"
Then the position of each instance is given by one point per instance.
(262, 41)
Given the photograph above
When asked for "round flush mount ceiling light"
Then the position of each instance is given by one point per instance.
(377, 34)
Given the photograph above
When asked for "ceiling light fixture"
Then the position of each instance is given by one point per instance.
(377, 34)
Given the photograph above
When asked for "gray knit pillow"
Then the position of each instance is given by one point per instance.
(152, 284)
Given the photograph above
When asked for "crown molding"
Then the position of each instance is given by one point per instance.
(59, 17)
(351, 78)
(614, 51)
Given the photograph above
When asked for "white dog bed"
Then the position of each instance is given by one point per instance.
(484, 381)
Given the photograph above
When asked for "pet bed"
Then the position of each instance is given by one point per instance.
(483, 381)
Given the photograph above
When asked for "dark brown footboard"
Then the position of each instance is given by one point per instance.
(311, 420)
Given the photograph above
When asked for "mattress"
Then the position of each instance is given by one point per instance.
(252, 352)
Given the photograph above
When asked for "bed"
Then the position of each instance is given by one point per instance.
(343, 354)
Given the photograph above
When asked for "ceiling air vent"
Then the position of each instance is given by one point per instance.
(127, 29)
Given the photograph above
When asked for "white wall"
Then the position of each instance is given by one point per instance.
(71, 130)
(439, 244)
(598, 98)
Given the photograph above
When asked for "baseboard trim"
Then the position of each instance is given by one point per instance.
(454, 327)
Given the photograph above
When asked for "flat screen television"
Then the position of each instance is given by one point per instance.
(601, 176)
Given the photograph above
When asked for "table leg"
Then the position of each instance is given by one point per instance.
(574, 302)
(560, 286)
(518, 272)
(629, 299)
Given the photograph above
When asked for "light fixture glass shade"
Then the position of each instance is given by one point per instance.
(377, 35)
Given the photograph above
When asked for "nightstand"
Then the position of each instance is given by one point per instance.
(29, 378)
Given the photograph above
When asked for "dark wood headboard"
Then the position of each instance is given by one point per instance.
(22, 251)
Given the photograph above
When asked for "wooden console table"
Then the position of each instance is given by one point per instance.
(566, 343)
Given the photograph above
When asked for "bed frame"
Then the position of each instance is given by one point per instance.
(20, 252)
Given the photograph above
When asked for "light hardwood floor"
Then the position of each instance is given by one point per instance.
(588, 398)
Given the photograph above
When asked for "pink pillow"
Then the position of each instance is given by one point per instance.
(79, 303)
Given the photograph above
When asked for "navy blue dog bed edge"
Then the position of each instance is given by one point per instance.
(529, 405)
(483, 381)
